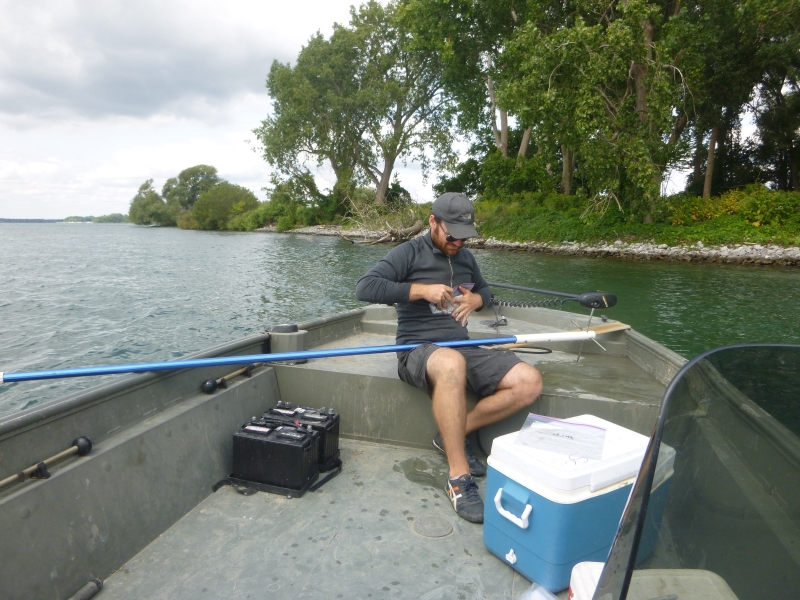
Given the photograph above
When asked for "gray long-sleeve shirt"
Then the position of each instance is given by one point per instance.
(419, 261)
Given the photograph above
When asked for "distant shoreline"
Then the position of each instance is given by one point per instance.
(737, 254)
(32, 221)
(114, 219)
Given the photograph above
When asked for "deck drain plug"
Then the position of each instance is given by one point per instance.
(433, 527)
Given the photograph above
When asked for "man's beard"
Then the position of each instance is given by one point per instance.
(442, 245)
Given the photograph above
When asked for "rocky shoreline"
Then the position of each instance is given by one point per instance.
(743, 254)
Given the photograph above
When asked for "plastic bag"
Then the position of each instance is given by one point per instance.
(450, 306)
(537, 592)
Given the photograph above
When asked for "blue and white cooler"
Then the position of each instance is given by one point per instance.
(555, 499)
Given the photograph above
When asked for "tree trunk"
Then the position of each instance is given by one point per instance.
(782, 171)
(503, 132)
(501, 136)
(712, 144)
(697, 171)
(639, 73)
(794, 159)
(523, 146)
(677, 130)
(383, 184)
(568, 165)
(399, 235)
(721, 151)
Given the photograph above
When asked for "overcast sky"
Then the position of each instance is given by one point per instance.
(96, 96)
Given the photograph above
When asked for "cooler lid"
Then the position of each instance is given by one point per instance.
(620, 458)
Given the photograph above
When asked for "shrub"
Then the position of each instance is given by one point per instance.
(754, 214)
(112, 218)
(531, 216)
(684, 209)
(221, 203)
(466, 179)
(285, 223)
(503, 177)
(186, 220)
(760, 206)
(148, 207)
(363, 212)
(261, 215)
(756, 204)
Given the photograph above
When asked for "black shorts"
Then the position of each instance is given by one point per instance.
(485, 367)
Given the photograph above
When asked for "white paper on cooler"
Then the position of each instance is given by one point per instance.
(563, 437)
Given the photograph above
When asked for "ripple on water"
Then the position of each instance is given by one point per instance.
(106, 294)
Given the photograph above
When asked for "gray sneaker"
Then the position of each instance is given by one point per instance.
(463, 493)
(476, 467)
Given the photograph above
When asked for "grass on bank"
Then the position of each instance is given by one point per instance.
(751, 215)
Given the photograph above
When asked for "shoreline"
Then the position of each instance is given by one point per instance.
(738, 254)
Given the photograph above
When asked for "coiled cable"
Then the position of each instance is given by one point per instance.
(546, 302)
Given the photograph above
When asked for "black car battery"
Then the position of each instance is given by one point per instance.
(323, 420)
(275, 457)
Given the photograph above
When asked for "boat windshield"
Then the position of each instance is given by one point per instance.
(729, 504)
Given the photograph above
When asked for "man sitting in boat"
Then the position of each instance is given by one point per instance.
(436, 284)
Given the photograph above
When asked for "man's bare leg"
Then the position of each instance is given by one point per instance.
(446, 370)
(447, 373)
(520, 387)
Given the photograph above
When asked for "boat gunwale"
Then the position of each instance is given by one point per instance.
(17, 422)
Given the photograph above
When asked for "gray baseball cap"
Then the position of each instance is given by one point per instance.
(458, 212)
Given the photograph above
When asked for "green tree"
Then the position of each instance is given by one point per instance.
(721, 67)
(112, 218)
(181, 192)
(298, 201)
(778, 149)
(466, 178)
(318, 114)
(223, 202)
(361, 101)
(777, 104)
(615, 86)
(147, 206)
(409, 111)
(740, 51)
(471, 36)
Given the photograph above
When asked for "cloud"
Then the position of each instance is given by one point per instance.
(100, 58)
(98, 96)
(95, 167)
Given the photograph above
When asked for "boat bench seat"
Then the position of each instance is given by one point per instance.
(377, 406)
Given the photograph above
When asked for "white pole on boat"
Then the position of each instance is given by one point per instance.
(530, 338)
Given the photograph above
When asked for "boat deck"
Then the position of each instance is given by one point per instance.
(358, 536)
(143, 508)
(364, 534)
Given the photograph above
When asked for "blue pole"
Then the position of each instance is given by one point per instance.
(237, 360)
(527, 338)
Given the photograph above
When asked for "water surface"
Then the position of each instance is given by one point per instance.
(75, 295)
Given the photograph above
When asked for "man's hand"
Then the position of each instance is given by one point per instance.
(441, 295)
(466, 304)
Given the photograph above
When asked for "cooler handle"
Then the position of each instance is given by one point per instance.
(521, 522)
